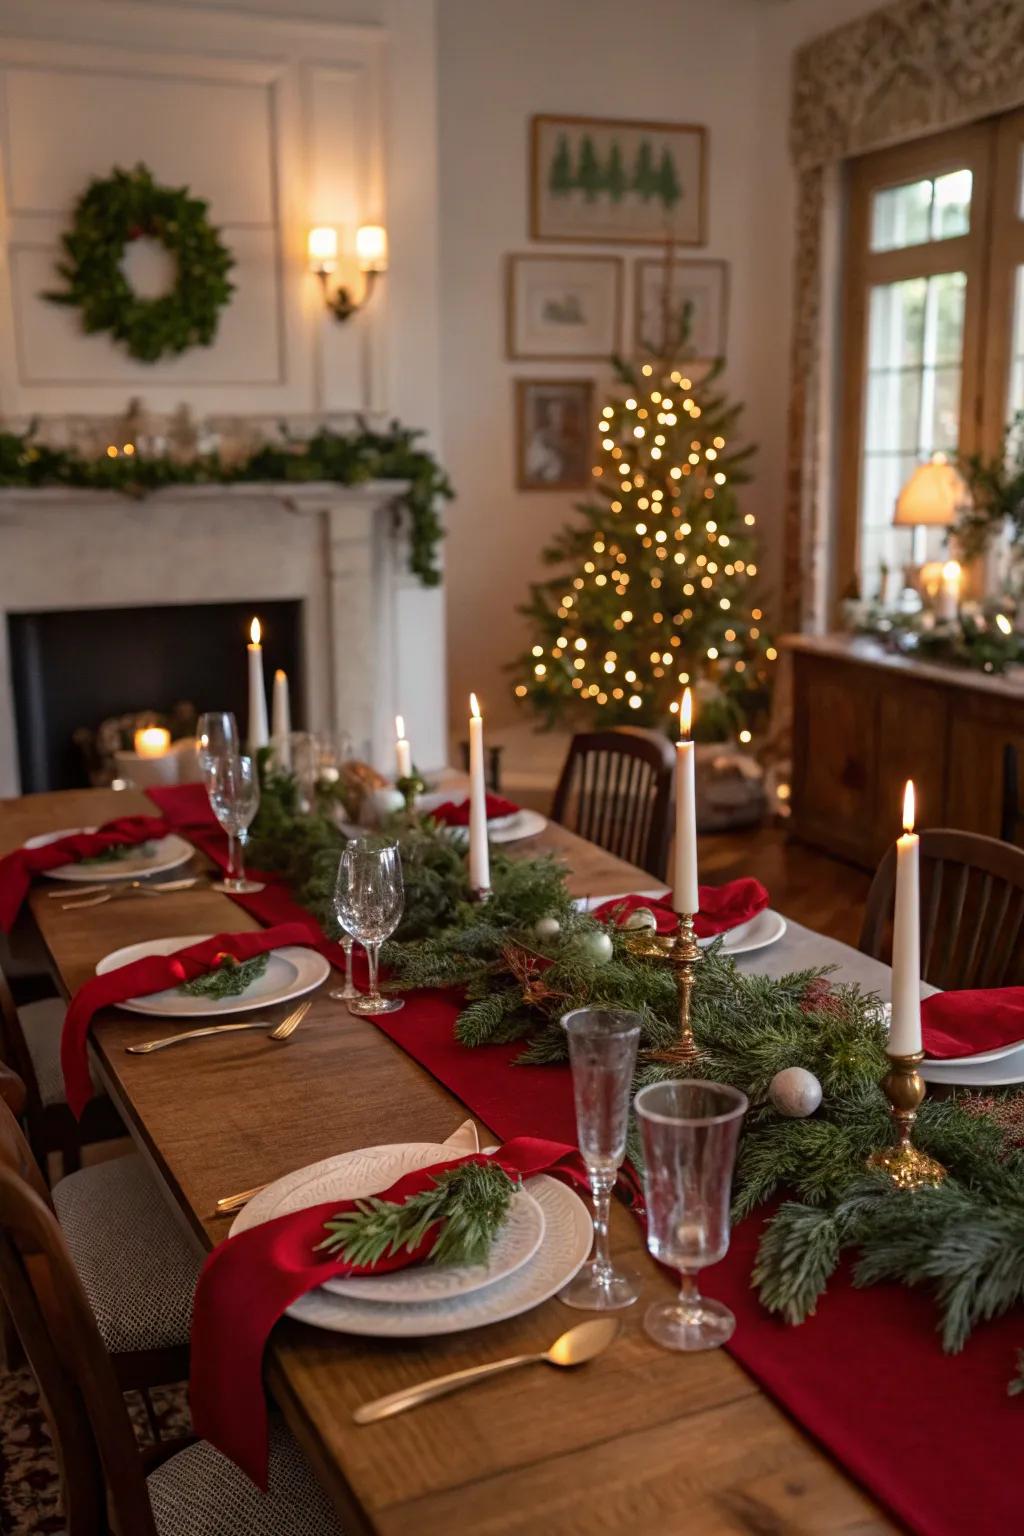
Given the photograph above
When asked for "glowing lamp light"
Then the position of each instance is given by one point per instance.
(255, 632)
(152, 741)
(372, 248)
(908, 807)
(322, 248)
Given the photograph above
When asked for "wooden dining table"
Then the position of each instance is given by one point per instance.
(641, 1440)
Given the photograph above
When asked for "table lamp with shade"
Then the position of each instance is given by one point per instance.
(933, 497)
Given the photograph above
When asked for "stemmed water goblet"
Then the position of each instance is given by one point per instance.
(689, 1131)
(602, 1053)
(216, 736)
(327, 865)
(368, 901)
(234, 791)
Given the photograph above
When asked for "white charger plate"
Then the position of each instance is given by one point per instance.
(568, 1234)
(292, 972)
(978, 1072)
(517, 825)
(356, 1175)
(167, 853)
(765, 928)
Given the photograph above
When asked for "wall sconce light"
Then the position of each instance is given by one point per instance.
(371, 254)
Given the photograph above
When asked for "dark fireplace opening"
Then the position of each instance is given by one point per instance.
(81, 667)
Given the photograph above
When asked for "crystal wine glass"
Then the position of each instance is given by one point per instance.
(234, 790)
(602, 1052)
(216, 736)
(689, 1131)
(328, 866)
(368, 901)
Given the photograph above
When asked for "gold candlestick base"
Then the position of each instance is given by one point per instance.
(683, 954)
(907, 1167)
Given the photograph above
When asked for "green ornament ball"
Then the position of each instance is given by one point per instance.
(641, 920)
(547, 928)
(595, 945)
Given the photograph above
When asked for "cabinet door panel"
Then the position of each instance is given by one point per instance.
(912, 734)
(978, 735)
(835, 740)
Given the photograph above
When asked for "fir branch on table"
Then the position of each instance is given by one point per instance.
(468, 1204)
(229, 978)
(119, 851)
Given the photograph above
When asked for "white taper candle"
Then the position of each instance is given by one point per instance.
(281, 720)
(685, 896)
(905, 1029)
(403, 750)
(259, 735)
(479, 856)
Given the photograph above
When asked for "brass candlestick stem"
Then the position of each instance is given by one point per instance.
(410, 789)
(907, 1167)
(682, 952)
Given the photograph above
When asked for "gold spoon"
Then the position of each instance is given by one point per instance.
(575, 1347)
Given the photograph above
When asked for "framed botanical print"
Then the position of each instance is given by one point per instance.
(554, 434)
(694, 308)
(617, 181)
(563, 308)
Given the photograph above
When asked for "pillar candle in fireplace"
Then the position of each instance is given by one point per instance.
(282, 720)
(479, 855)
(259, 735)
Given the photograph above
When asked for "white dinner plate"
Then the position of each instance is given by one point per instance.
(355, 1175)
(568, 1234)
(978, 1071)
(760, 931)
(292, 971)
(164, 853)
(500, 829)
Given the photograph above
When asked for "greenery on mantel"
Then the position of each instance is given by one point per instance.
(347, 458)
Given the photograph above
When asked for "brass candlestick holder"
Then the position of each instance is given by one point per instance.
(681, 951)
(907, 1167)
(410, 789)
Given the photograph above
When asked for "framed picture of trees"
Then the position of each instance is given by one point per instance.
(616, 181)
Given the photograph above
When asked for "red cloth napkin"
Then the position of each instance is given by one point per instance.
(967, 1023)
(456, 814)
(17, 868)
(250, 1280)
(154, 974)
(721, 907)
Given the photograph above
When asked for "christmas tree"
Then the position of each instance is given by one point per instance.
(657, 576)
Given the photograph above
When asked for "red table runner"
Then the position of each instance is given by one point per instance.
(932, 1436)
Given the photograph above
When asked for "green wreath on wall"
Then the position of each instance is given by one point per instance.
(125, 206)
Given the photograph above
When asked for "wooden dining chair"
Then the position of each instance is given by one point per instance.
(616, 790)
(972, 910)
(189, 1492)
(136, 1266)
(30, 1043)
(1011, 821)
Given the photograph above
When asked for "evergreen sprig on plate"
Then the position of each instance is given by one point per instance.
(229, 978)
(467, 1204)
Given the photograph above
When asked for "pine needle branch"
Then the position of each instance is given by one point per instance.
(467, 1205)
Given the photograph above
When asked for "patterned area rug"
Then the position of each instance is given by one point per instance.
(29, 1482)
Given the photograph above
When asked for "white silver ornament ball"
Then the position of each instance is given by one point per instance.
(795, 1092)
(641, 920)
(596, 945)
(547, 928)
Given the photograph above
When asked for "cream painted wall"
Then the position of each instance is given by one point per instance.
(726, 65)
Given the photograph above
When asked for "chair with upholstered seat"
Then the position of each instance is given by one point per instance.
(30, 1043)
(195, 1491)
(616, 790)
(135, 1264)
(972, 910)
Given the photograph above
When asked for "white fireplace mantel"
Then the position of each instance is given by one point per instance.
(372, 635)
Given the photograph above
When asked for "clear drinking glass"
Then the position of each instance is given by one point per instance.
(602, 1052)
(234, 790)
(689, 1131)
(368, 901)
(216, 736)
(328, 866)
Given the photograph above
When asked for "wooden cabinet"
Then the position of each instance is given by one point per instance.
(864, 722)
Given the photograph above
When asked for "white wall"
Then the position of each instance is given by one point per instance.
(725, 65)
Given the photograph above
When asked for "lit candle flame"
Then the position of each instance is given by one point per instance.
(400, 727)
(474, 707)
(686, 715)
(908, 807)
(255, 631)
(280, 676)
(1004, 624)
(951, 573)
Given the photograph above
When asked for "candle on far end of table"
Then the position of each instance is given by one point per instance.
(479, 855)
(947, 601)
(259, 734)
(281, 720)
(905, 1028)
(685, 896)
(152, 741)
(403, 751)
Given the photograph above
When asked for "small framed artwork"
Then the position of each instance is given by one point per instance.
(693, 310)
(554, 434)
(563, 308)
(617, 181)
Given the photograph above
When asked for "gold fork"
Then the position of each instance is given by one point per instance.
(282, 1031)
(127, 888)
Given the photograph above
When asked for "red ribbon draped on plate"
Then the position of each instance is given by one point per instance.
(155, 973)
(721, 907)
(248, 1282)
(17, 868)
